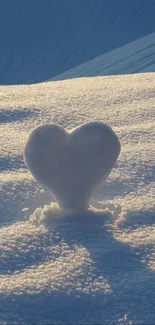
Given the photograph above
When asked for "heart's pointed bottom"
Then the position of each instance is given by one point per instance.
(70, 205)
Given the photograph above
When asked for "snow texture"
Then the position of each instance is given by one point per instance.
(95, 267)
(92, 268)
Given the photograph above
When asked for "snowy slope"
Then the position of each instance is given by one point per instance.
(135, 57)
(39, 41)
(54, 271)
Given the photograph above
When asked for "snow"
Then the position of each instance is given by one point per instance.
(92, 268)
(137, 56)
(40, 42)
(97, 266)
(71, 164)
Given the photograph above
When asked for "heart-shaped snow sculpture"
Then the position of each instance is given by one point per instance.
(71, 163)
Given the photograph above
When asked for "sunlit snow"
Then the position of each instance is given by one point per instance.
(93, 267)
(75, 270)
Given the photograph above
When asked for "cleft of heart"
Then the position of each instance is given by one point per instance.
(72, 164)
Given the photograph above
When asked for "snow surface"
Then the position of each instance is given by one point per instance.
(41, 40)
(95, 268)
(137, 56)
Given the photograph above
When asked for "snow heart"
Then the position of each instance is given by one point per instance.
(71, 164)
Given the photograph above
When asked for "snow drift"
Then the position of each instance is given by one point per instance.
(94, 268)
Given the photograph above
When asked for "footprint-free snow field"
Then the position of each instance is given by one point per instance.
(96, 270)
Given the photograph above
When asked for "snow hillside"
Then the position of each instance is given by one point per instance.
(135, 57)
(82, 271)
(40, 41)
